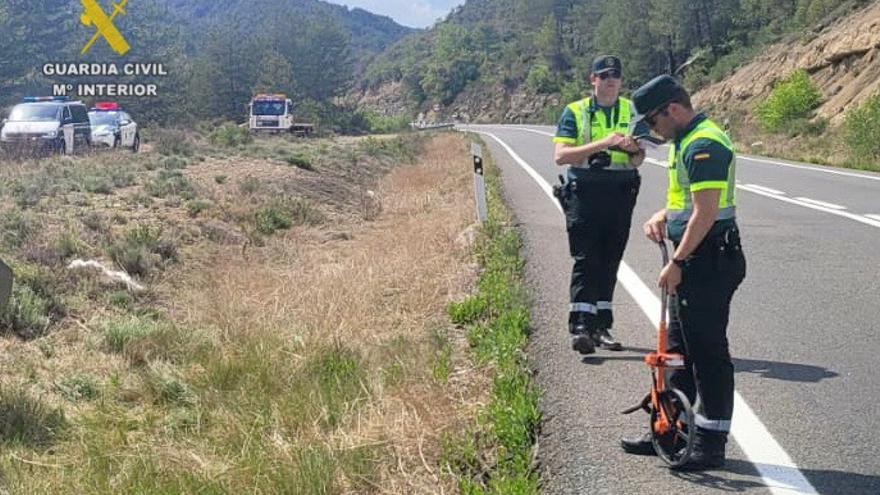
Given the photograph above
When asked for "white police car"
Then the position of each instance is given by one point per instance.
(113, 127)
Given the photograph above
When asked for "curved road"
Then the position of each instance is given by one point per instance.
(804, 332)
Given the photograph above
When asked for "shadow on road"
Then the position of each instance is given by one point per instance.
(790, 372)
(824, 481)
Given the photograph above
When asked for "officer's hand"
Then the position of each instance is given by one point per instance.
(629, 145)
(614, 140)
(670, 277)
(655, 227)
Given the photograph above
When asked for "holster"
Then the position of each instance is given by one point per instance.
(562, 192)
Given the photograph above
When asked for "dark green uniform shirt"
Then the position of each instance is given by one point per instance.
(704, 160)
(567, 128)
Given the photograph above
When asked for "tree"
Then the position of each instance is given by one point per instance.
(452, 65)
(225, 73)
(275, 75)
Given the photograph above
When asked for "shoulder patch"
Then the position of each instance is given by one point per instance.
(702, 156)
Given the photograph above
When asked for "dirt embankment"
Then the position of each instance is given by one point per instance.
(842, 58)
(291, 337)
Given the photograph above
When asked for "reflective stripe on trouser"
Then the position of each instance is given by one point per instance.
(598, 220)
(708, 283)
(582, 308)
(712, 424)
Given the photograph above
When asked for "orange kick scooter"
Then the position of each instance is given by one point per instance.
(672, 417)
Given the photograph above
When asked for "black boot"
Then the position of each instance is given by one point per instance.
(709, 450)
(638, 444)
(580, 338)
(602, 338)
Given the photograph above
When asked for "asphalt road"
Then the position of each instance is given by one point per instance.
(804, 332)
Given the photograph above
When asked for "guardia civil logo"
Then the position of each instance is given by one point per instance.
(94, 15)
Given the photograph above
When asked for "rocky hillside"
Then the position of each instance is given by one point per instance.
(519, 60)
(842, 58)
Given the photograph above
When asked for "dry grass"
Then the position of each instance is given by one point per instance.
(302, 365)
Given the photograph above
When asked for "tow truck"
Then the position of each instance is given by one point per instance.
(274, 113)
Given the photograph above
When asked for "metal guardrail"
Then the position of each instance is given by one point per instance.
(424, 127)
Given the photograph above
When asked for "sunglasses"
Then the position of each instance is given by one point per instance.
(651, 118)
(613, 73)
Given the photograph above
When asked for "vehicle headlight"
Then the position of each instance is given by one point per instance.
(51, 134)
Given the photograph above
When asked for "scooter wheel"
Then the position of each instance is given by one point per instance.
(676, 443)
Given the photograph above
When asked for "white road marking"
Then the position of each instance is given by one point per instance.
(777, 469)
(807, 167)
(834, 209)
(654, 161)
(852, 216)
(543, 133)
(765, 189)
(820, 203)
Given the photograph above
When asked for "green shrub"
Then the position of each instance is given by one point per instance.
(281, 215)
(792, 98)
(147, 339)
(272, 218)
(172, 142)
(338, 378)
(196, 206)
(27, 313)
(400, 148)
(250, 185)
(174, 162)
(120, 334)
(170, 183)
(221, 179)
(807, 127)
(230, 135)
(121, 299)
(441, 366)
(471, 310)
(27, 421)
(540, 80)
(167, 385)
(137, 250)
(862, 130)
(386, 124)
(97, 184)
(79, 387)
(70, 244)
(300, 161)
(18, 227)
(122, 177)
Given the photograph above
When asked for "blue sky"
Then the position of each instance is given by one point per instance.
(412, 13)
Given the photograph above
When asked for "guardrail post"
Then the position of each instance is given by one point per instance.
(479, 183)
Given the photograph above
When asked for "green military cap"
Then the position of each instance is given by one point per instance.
(604, 63)
(656, 93)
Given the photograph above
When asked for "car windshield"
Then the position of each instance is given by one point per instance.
(34, 113)
(102, 118)
(268, 108)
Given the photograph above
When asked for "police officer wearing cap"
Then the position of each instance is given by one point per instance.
(594, 138)
(708, 264)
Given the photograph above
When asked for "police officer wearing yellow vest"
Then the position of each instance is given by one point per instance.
(708, 264)
(594, 137)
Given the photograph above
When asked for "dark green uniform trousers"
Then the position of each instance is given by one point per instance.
(599, 212)
(709, 279)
